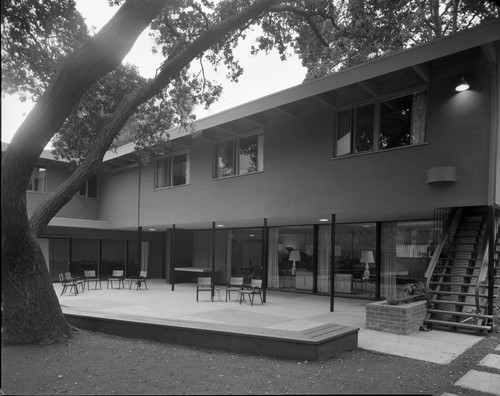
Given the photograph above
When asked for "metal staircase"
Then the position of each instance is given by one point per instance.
(457, 277)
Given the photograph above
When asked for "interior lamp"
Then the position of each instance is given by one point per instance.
(294, 256)
(462, 85)
(367, 258)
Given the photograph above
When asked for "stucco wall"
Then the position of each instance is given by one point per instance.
(76, 208)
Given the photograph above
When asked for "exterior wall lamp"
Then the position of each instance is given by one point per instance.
(462, 85)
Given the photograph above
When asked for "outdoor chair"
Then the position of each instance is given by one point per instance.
(68, 282)
(90, 276)
(117, 276)
(250, 291)
(235, 285)
(205, 284)
(138, 280)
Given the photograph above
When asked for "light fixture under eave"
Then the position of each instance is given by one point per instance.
(462, 85)
(323, 220)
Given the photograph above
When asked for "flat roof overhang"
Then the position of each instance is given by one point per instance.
(407, 69)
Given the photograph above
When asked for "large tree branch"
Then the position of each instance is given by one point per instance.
(74, 76)
(170, 69)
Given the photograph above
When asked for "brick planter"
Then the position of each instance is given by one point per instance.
(400, 319)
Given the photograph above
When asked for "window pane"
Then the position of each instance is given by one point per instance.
(84, 254)
(180, 169)
(92, 187)
(418, 118)
(225, 159)
(354, 265)
(344, 124)
(364, 128)
(249, 154)
(83, 190)
(112, 256)
(404, 254)
(395, 122)
(162, 173)
(38, 180)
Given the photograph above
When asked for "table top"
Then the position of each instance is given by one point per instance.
(193, 269)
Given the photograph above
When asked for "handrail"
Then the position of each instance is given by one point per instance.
(437, 253)
(483, 272)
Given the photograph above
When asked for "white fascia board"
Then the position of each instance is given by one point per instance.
(78, 223)
(120, 151)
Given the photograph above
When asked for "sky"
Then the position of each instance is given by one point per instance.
(263, 75)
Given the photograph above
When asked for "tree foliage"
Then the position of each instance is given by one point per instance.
(36, 35)
(349, 32)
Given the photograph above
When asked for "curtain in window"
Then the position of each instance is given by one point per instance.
(273, 272)
(389, 258)
(344, 132)
(324, 258)
(418, 118)
(160, 173)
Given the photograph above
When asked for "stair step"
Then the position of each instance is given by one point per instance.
(457, 275)
(458, 324)
(458, 266)
(471, 304)
(451, 283)
(454, 313)
(451, 293)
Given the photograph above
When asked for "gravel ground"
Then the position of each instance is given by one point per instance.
(95, 363)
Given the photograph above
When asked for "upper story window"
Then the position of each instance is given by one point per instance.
(401, 122)
(89, 189)
(239, 156)
(38, 180)
(172, 171)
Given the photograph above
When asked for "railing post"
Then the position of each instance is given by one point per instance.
(491, 257)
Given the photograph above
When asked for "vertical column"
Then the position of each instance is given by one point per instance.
(265, 256)
(213, 257)
(172, 257)
(332, 260)
(378, 259)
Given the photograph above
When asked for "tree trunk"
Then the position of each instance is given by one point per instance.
(30, 309)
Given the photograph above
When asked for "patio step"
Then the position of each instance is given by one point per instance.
(318, 343)
(455, 325)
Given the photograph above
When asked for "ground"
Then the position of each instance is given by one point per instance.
(95, 363)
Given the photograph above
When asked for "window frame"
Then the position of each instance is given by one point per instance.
(170, 175)
(376, 137)
(236, 155)
(32, 182)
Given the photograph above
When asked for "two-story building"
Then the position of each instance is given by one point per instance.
(354, 173)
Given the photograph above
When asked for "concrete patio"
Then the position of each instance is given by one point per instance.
(283, 311)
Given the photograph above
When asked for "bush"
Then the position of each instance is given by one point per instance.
(408, 292)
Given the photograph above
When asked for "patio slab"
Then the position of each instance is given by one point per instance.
(282, 311)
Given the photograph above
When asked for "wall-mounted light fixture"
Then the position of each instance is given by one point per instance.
(462, 85)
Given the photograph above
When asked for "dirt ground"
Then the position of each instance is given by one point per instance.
(99, 364)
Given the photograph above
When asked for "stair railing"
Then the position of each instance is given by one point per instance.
(453, 219)
(483, 272)
(481, 278)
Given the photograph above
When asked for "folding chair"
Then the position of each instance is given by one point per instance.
(116, 277)
(254, 288)
(67, 281)
(205, 284)
(235, 285)
(90, 276)
(138, 280)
